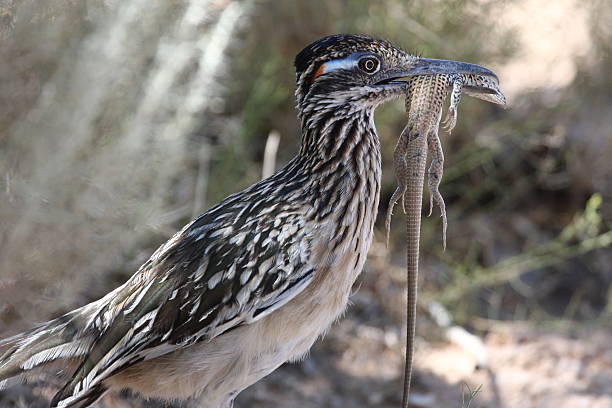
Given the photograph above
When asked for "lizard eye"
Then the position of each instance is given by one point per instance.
(369, 65)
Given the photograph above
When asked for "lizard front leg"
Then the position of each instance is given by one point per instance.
(451, 117)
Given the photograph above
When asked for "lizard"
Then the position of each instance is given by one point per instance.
(425, 96)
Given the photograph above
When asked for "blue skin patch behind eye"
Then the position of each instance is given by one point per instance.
(347, 63)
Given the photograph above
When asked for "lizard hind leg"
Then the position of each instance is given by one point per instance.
(434, 177)
(400, 167)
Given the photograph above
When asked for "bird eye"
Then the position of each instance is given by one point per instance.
(369, 64)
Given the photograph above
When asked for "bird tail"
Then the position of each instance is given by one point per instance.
(62, 341)
(82, 400)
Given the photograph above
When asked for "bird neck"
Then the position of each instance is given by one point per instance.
(340, 151)
(333, 135)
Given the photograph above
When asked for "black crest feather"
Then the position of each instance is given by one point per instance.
(311, 51)
(325, 46)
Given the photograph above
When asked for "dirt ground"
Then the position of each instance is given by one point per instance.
(359, 365)
(526, 368)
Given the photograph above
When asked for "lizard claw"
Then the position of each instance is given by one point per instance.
(435, 195)
(451, 119)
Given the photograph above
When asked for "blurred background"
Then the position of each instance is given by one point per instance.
(122, 120)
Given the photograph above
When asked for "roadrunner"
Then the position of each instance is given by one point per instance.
(255, 280)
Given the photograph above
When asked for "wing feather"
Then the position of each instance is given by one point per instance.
(208, 279)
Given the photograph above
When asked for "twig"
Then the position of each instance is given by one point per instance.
(513, 267)
(269, 159)
(202, 180)
(471, 395)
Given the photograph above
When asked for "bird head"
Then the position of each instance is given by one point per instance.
(363, 72)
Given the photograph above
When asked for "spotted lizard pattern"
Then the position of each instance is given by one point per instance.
(424, 101)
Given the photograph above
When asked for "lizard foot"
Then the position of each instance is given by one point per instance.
(399, 192)
(451, 117)
(400, 166)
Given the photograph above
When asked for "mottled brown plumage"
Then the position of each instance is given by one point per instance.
(255, 280)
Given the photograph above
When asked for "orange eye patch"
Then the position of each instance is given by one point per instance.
(343, 63)
(318, 72)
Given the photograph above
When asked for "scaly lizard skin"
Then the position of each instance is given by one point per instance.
(424, 109)
(424, 99)
(426, 113)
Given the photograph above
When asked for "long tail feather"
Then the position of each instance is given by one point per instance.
(61, 338)
(81, 401)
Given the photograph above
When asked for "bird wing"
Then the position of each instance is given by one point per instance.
(225, 269)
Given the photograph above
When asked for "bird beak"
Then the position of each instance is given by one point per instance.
(483, 83)
(429, 66)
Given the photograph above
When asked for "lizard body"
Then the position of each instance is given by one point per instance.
(424, 100)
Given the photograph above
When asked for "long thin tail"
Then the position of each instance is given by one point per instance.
(65, 338)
